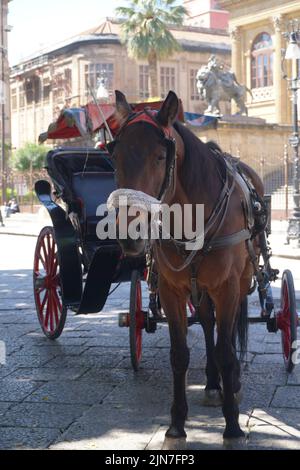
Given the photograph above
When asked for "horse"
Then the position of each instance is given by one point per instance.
(159, 157)
(221, 86)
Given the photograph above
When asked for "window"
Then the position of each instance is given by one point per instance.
(194, 95)
(32, 86)
(21, 97)
(46, 90)
(167, 80)
(144, 81)
(94, 72)
(68, 82)
(262, 61)
(14, 100)
(61, 85)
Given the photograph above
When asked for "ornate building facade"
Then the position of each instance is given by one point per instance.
(60, 76)
(256, 30)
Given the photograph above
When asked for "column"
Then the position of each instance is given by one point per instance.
(280, 85)
(236, 53)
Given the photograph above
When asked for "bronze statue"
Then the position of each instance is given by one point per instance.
(214, 84)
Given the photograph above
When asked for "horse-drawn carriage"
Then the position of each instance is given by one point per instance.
(74, 269)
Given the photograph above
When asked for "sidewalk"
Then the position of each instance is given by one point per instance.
(278, 244)
(25, 223)
(31, 224)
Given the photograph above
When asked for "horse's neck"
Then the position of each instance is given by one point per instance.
(207, 186)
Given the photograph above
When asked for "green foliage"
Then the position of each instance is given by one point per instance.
(145, 27)
(29, 197)
(10, 193)
(30, 154)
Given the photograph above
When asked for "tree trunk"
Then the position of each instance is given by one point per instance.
(152, 62)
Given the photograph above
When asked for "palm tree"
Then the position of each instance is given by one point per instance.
(145, 31)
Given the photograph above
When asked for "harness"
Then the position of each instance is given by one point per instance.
(233, 177)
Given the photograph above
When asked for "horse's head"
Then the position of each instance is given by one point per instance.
(144, 155)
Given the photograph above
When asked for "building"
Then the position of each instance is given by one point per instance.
(60, 76)
(4, 93)
(256, 29)
(4, 67)
(206, 13)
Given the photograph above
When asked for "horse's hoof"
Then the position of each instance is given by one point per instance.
(212, 398)
(236, 443)
(233, 432)
(171, 443)
(239, 396)
(175, 433)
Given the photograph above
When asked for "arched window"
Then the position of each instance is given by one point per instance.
(262, 61)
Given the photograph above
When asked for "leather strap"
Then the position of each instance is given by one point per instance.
(228, 240)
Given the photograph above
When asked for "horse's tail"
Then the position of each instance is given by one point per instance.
(242, 328)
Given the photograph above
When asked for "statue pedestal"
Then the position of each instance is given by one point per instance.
(260, 145)
(245, 120)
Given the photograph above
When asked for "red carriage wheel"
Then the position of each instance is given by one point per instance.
(287, 319)
(191, 308)
(136, 320)
(46, 285)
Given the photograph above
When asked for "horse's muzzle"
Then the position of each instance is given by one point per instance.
(133, 247)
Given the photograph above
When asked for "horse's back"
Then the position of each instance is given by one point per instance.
(253, 176)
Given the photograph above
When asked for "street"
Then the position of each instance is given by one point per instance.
(80, 392)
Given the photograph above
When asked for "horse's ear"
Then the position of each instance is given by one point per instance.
(169, 110)
(123, 108)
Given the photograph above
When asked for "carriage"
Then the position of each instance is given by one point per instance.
(74, 270)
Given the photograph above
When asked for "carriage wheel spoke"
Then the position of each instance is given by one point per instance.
(57, 300)
(46, 321)
(42, 261)
(51, 313)
(44, 302)
(54, 265)
(55, 310)
(43, 248)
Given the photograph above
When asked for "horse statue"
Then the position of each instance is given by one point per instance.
(215, 85)
(159, 159)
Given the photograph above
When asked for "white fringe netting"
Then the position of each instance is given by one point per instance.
(129, 197)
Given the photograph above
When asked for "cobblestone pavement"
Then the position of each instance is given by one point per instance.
(80, 392)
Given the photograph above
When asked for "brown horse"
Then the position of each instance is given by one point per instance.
(159, 156)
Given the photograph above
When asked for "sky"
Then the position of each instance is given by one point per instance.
(39, 23)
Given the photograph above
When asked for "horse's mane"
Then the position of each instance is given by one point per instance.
(199, 163)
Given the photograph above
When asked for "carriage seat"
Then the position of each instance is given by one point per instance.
(83, 178)
(92, 189)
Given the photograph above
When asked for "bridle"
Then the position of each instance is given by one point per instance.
(149, 116)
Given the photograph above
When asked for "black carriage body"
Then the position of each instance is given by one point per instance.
(83, 180)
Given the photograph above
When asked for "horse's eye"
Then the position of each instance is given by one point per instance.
(161, 158)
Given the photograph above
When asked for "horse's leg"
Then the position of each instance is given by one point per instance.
(212, 395)
(174, 305)
(227, 301)
(242, 313)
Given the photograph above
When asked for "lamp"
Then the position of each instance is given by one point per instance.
(293, 53)
(293, 49)
(102, 92)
